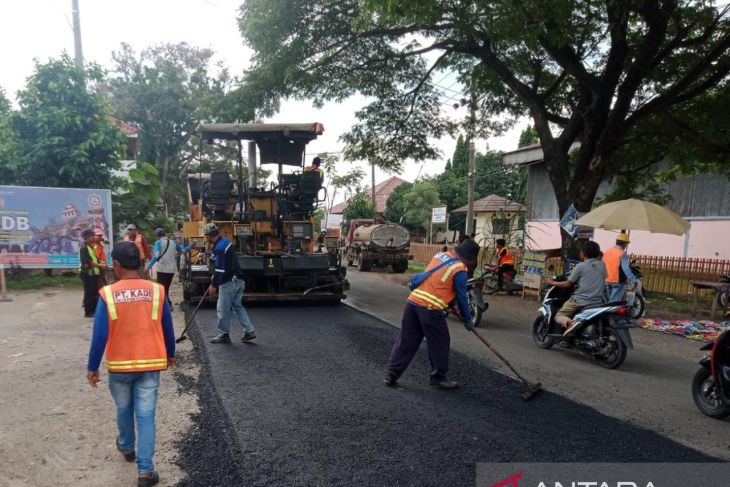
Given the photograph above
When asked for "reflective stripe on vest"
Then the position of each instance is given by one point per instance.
(136, 364)
(435, 300)
(112, 308)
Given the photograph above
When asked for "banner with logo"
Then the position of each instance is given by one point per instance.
(40, 228)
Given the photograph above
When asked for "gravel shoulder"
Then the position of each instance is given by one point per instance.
(57, 431)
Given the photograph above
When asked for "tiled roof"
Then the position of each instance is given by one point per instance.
(382, 191)
(493, 203)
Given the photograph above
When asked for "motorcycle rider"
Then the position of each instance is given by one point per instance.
(618, 269)
(589, 278)
(505, 261)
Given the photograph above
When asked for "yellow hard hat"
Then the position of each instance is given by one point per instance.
(623, 237)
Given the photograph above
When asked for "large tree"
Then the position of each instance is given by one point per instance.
(166, 90)
(62, 133)
(586, 71)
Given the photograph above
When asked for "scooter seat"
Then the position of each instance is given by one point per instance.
(604, 305)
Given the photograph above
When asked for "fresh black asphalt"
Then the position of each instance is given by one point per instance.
(305, 405)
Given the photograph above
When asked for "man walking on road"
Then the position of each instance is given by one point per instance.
(228, 286)
(90, 272)
(165, 256)
(134, 324)
(618, 269)
(425, 317)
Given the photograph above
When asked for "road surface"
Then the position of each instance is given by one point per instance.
(651, 389)
(306, 405)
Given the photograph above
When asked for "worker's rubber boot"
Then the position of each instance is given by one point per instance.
(148, 479)
(222, 338)
(390, 380)
(128, 455)
(248, 336)
(444, 384)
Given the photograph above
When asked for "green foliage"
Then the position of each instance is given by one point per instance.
(37, 280)
(395, 205)
(584, 71)
(62, 135)
(359, 206)
(419, 201)
(166, 90)
(138, 199)
(318, 216)
(494, 178)
(8, 156)
(528, 137)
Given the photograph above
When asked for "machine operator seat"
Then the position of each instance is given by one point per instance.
(309, 186)
(217, 194)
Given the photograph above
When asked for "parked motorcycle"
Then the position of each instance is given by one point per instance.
(724, 296)
(477, 305)
(509, 281)
(635, 297)
(711, 383)
(603, 333)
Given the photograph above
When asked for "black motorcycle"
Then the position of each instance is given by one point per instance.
(636, 297)
(603, 332)
(477, 305)
(711, 383)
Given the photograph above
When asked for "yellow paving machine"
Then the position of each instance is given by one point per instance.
(271, 227)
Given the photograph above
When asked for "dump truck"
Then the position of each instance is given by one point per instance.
(374, 242)
(271, 227)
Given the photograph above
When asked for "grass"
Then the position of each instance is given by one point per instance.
(39, 281)
(415, 267)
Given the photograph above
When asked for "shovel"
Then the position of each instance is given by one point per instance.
(183, 337)
(532, 389)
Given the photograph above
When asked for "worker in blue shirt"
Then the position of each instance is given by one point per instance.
(228, 286)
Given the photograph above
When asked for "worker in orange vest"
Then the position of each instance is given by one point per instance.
(505, 261)
(134, 325)
(145, 253)
(425, 317)
(100, 250)
(618, 269)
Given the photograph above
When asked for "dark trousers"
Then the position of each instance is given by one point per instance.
(91, 293)
(165, 278)
(500, 274)
(419, 323)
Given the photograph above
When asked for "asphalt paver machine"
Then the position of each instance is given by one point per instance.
(271, 227)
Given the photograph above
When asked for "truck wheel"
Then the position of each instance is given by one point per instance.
(364, 265)
(400, 267)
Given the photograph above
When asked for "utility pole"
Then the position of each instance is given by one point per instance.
(78, 52)
(375, 206)
(471, 177)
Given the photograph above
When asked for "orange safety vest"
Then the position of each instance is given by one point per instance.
(506, 258)
(612, 261)
(437, 291)
(136, 342)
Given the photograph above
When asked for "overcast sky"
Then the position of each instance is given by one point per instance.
(41, 29)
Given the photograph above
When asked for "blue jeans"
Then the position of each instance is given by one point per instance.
(135, 395)
(230, 297)
(615, 292)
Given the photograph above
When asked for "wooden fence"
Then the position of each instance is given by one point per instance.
(666, 275)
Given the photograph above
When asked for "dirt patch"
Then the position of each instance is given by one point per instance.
(57, 431)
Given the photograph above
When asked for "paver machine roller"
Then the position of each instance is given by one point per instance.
(271, 227)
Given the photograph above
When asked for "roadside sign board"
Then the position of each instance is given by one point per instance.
(533, 269)
(40, 228)
(438, 214)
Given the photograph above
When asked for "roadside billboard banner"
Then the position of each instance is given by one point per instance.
(40, 228)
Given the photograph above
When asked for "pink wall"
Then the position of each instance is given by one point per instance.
(709, 239)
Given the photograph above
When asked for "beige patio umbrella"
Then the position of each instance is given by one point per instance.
(633, 214)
